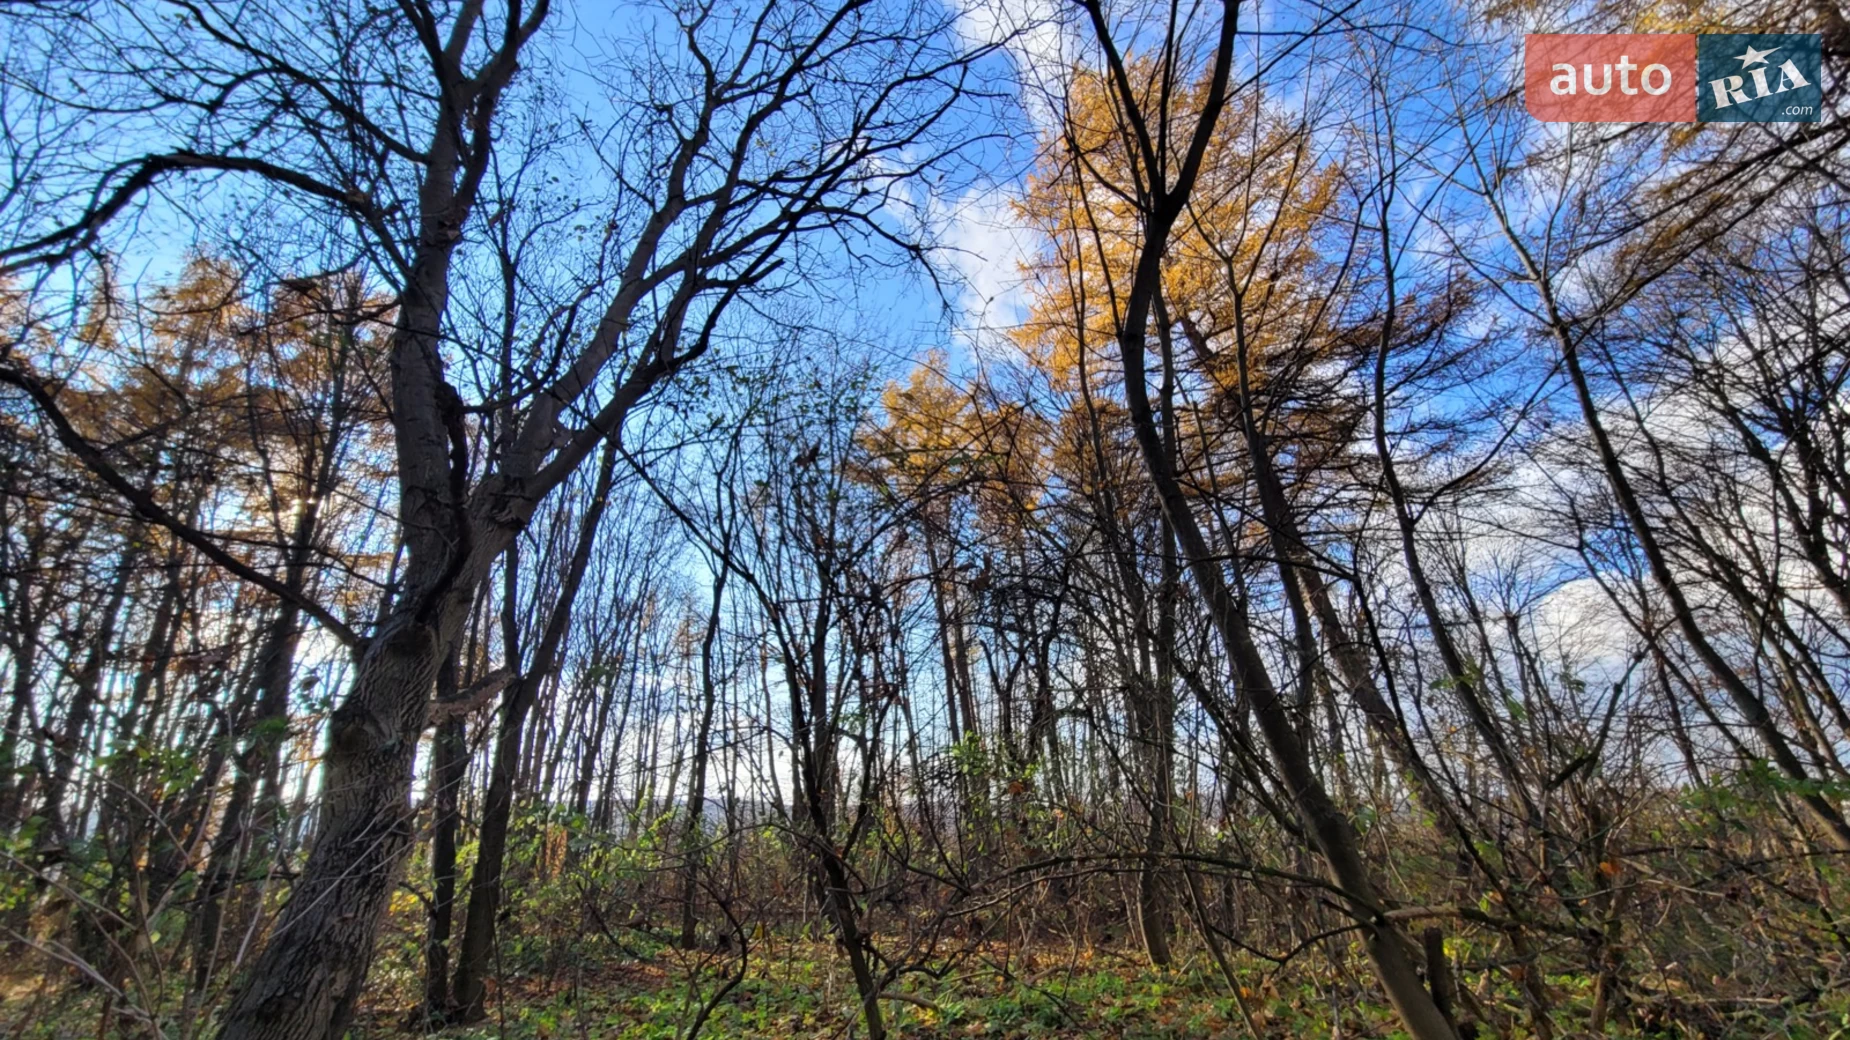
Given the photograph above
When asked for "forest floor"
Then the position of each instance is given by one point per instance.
(805, 991)
(802, 989)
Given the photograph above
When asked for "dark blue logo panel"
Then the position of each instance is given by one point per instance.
(1759, 78)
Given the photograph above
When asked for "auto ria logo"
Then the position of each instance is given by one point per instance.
(1673, 77)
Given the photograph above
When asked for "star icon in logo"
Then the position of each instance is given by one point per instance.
(1754, 57)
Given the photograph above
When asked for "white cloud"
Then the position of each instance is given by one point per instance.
(986, 245)
(1033, 30)
(1037, 37)
(1582, 629)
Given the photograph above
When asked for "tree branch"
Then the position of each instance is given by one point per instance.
(93, 458)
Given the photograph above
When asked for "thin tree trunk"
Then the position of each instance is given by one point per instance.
(24, 659)
(1463, 680)
(694, 835)
(469, 989)
(449, 767)
(1330, 830)
(816, 776)
(1750, 704)
(87, 684)
(249, 821)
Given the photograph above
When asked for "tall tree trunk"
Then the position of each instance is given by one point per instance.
(694, 836)
(87, 684)
(24, 659)
(1330, 830)
(603, 693)
(1155, 903)
(813, 736)
(150, 671)
(127, 821)
(941, 593)
(305, 983)
(449, 767)
(224, 854)
(478, 938)
(248, 823)
(1463, 681)
(1751, 705)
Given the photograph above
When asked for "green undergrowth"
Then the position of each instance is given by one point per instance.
(800, 988)
(804, 991)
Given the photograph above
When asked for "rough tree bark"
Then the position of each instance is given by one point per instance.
(304, 984)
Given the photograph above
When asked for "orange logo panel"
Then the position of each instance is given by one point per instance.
(1610, 77)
